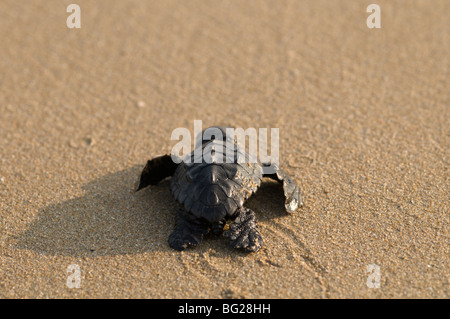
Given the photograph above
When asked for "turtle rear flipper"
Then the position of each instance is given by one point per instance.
(291, 190)
(188, 231)
(156, 170)
(243, 232)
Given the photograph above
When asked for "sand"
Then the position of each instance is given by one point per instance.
(363, 117)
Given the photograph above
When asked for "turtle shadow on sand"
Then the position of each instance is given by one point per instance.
(268, 201)
(110, 218)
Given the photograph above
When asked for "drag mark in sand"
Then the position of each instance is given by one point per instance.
(199, 265)
(291, 235)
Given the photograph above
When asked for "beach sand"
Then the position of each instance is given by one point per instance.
(364, 125)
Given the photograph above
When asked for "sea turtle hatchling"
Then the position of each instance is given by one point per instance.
(214, 191)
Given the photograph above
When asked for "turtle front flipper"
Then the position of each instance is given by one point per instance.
(189, 231)
(243, 232)
(291, 190)
(156, 170)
